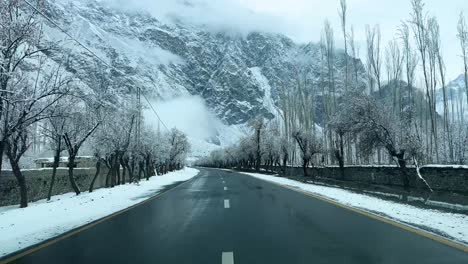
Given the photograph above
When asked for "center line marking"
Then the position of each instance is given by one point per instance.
(225, 188)
(226, 204)
(227, 258)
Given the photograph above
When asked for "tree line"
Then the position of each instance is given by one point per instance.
(43, 98)
(366, 113)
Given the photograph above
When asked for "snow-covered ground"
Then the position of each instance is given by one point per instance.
(450, 225)
(41, 220)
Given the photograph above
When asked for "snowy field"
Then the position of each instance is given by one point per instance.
(450, 225)
(41, 220)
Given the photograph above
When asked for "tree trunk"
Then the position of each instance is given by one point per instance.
(140, 168)
(147, 167)
(21, 181)
(340, 157)
(341, 164)
(98, 170)
(71, 165)
(2, 150)
(130, 172)
(402, 165)
(117, 169)
(108, 175)
(54, 170)
(124, 170)
(285, 163)
(304, 166)
(112, 171)
(258, 157)
(144, 167)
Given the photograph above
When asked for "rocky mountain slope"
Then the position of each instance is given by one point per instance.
(238, 76)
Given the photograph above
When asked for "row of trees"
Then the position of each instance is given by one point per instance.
(40, 97)
(353, 115)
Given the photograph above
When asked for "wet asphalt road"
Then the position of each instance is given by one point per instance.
(264, 223)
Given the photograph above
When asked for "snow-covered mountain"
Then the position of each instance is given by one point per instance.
(238, 76)
(456, 96)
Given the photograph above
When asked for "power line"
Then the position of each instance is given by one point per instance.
(93, 54)
(156, 113)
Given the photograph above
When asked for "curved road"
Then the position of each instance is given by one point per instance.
(226, 217)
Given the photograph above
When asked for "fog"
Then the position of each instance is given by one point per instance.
(188, 114)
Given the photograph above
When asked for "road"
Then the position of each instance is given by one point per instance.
(226, 217)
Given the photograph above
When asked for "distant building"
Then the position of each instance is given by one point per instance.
(80, 162)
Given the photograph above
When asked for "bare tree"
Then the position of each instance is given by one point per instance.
(378, 128)
(394, 65)
(374, 61)
(258, 125)
(410, 64)
(330, 56)
(354, 54)
(78, 130)
(420, 23)
(16, 146)
(340, 124)
(309, 146)
(27, 105)
(54, 131)
(179, 148)
(434, 38)
(20, 36)
(343, 13)
(463, 37)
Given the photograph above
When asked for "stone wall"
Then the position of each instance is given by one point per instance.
(441, 178)
(38, 181)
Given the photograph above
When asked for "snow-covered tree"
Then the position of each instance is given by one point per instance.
(377, 128)
(80, 126)
(309, 146)
(179, 148)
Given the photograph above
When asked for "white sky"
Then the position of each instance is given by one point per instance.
(302, 20)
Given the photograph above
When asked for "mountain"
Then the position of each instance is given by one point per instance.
(238, 76)
(456, 95)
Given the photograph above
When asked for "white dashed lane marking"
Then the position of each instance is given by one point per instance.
(227, 258)
(226, 204)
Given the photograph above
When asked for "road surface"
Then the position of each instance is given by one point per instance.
(226, 217)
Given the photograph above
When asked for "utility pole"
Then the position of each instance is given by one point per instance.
(138, 120)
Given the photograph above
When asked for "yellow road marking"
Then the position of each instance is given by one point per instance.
(83, 228)
(415, 230)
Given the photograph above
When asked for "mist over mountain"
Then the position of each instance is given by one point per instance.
(237, 75)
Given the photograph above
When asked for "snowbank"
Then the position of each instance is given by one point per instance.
(20, 228)
(454, 226)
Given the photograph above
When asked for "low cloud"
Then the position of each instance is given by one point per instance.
(302, 20)
(219, 16)
(188, 114)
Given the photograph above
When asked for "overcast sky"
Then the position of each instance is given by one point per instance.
(302, 20)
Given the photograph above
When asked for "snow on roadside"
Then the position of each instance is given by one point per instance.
(454, 226)
(41, 220)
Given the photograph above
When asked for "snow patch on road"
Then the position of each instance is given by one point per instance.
(41, 220)
(451, 225)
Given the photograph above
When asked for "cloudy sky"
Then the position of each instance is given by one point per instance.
(302, 20)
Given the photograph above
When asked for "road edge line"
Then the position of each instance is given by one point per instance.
(413, 229)
(48, 242)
